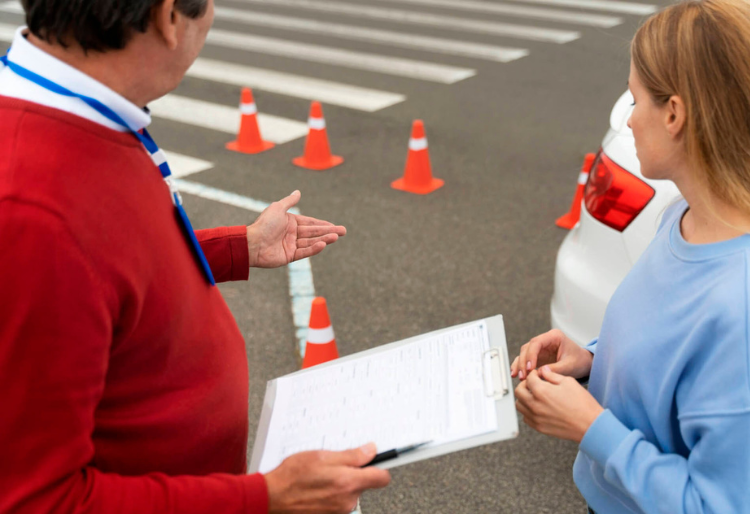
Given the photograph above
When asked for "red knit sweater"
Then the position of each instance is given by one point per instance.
(123, 375)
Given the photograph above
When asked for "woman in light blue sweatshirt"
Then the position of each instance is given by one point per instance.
(665, 424)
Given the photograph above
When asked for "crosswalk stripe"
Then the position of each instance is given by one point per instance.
(578, 18)
(385, 37)
(7, 32)
(599, 5)
(432, 20)
(224, 119)
(14, 7)
(183, 165)
(337, 57)
(334, 93)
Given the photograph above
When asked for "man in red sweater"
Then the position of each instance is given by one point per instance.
(123, 376)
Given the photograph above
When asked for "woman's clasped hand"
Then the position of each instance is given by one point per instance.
(549, 397)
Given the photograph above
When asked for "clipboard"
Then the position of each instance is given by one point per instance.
(497, 385)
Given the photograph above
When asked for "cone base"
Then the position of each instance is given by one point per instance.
(434, 184)
(264, 145)
(326, 164)
(567, 221)
(319, 353)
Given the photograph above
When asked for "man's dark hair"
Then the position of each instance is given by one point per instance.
(99, 25)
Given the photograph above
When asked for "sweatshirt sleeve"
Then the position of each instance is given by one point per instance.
(56, 325)
(226, 251)
(713, 478)
(592, 346)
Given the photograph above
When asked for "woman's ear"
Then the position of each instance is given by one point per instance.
(675, 116)
(165, 18)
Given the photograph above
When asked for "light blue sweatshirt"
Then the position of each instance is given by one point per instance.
(672, 370)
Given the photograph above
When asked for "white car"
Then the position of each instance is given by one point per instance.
(619, 217)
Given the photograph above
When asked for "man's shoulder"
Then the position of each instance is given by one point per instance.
(88, 174)
(26, 119)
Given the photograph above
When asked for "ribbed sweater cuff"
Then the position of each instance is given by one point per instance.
(240, 252)
(256, 494)
(603, 437)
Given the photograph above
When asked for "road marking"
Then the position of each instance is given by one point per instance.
(592, 20)
(225, 197)
(419, 70)
(12, 7)
(7, 32)
(334, 56)
(224, 119)
(182, 165)
(333, 93)
(302, 291)
(301, 286)
(600, 5)
(426, 19)
(385, 37)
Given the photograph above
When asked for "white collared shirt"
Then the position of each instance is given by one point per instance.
(36, 60)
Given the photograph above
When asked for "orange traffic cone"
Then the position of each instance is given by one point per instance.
(249, 140)
(317, 150)
(418, 174)
(321, 343)
(570, 219)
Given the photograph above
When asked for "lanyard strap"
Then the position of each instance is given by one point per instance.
(160, 160)
(143, 136)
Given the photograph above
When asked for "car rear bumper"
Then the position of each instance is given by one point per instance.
(591, 263)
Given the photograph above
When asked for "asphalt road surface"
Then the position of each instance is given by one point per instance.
(507, 137)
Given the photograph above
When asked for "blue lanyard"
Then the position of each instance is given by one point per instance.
(143, 136)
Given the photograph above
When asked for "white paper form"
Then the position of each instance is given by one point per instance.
(428, 390)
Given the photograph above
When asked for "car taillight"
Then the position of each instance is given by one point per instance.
(613, 195)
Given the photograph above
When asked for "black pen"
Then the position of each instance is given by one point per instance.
(392, 454)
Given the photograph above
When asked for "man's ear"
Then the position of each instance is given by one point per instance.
(676, 115)
(164, 18)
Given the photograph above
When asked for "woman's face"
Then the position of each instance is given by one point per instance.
(659, 149)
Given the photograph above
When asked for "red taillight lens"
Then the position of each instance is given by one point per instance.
(613, 195)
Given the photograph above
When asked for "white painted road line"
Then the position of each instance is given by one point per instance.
(12, 7)
(225, 197)
(7, 32)
(385, 37)
(224, 119)
(302, 291)
(333, 93)
(578, 18)
(431, 20)
(334, 56)
(600, 5)
(182, 165)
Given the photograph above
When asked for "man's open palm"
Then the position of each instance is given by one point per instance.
(278, 237)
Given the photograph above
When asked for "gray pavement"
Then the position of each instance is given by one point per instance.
(508, 142)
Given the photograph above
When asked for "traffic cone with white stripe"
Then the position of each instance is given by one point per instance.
(321, 343)
(418, 177)
(569, 220)
(249, 139)
(317, 150)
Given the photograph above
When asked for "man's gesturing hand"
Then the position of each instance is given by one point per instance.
(323, 482)
(278, 237)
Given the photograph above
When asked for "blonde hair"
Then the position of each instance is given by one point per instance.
(700, 51)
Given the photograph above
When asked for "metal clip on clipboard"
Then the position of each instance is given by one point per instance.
(495, 374)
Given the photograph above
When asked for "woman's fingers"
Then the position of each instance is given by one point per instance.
(522, 360)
